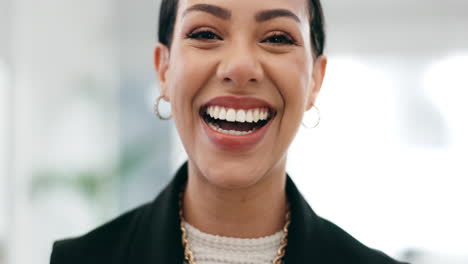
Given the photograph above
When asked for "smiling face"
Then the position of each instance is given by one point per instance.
(239, 76)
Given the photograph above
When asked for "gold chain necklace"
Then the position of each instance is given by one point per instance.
(189, 254)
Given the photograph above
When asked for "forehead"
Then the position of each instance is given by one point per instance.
(250, 7)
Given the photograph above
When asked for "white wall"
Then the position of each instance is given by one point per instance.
(3, 154)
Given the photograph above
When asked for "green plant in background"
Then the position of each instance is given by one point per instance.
(96, 185)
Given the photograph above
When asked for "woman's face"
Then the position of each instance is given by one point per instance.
(239, 76)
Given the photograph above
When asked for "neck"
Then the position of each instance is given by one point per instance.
(255, 211)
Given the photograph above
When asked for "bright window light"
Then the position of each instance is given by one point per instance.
(447, 83)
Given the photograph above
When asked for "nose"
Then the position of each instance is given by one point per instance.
(240, 66)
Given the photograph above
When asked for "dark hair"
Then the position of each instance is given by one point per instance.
(168, 12)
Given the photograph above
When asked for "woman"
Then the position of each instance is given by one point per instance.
(239, 75)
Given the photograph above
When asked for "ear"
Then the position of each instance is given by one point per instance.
(318, 73)
(161, 64)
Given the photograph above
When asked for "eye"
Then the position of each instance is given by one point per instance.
(279, 38)
(203, 35)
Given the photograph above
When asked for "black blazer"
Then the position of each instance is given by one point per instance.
(151, 234)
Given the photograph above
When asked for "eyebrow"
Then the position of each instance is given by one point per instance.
(265, 15)
(211, 9)
(226, 14)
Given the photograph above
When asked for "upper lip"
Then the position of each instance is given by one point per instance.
(237, 102)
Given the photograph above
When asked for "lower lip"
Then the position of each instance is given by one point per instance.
(235, 142)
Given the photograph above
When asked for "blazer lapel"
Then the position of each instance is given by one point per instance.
(302, 243)
(158, 236)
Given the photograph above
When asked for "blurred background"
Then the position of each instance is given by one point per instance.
(79, 144)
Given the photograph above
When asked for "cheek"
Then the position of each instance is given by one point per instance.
(187, 78)
(293, 79)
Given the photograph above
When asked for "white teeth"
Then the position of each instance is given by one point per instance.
(231, 115)
(256, 114)
(211, 111)
(240, 116)
(230, 132)
(215, 112)
(249, 116)
(213, 126)
(263, 114)
(222, 113)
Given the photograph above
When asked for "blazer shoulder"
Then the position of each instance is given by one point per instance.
(105, 244)
(351, 250)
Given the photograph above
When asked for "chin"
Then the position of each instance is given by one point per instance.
(234, 174)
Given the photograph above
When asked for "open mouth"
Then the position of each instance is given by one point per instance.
(237, 122)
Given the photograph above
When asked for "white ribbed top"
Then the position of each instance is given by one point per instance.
(214, 249)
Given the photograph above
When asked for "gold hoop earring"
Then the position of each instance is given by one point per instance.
(156, 109)
(317, 122)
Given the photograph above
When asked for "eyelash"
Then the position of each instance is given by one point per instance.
(284, 38)
(279, 38)
(202, 35)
